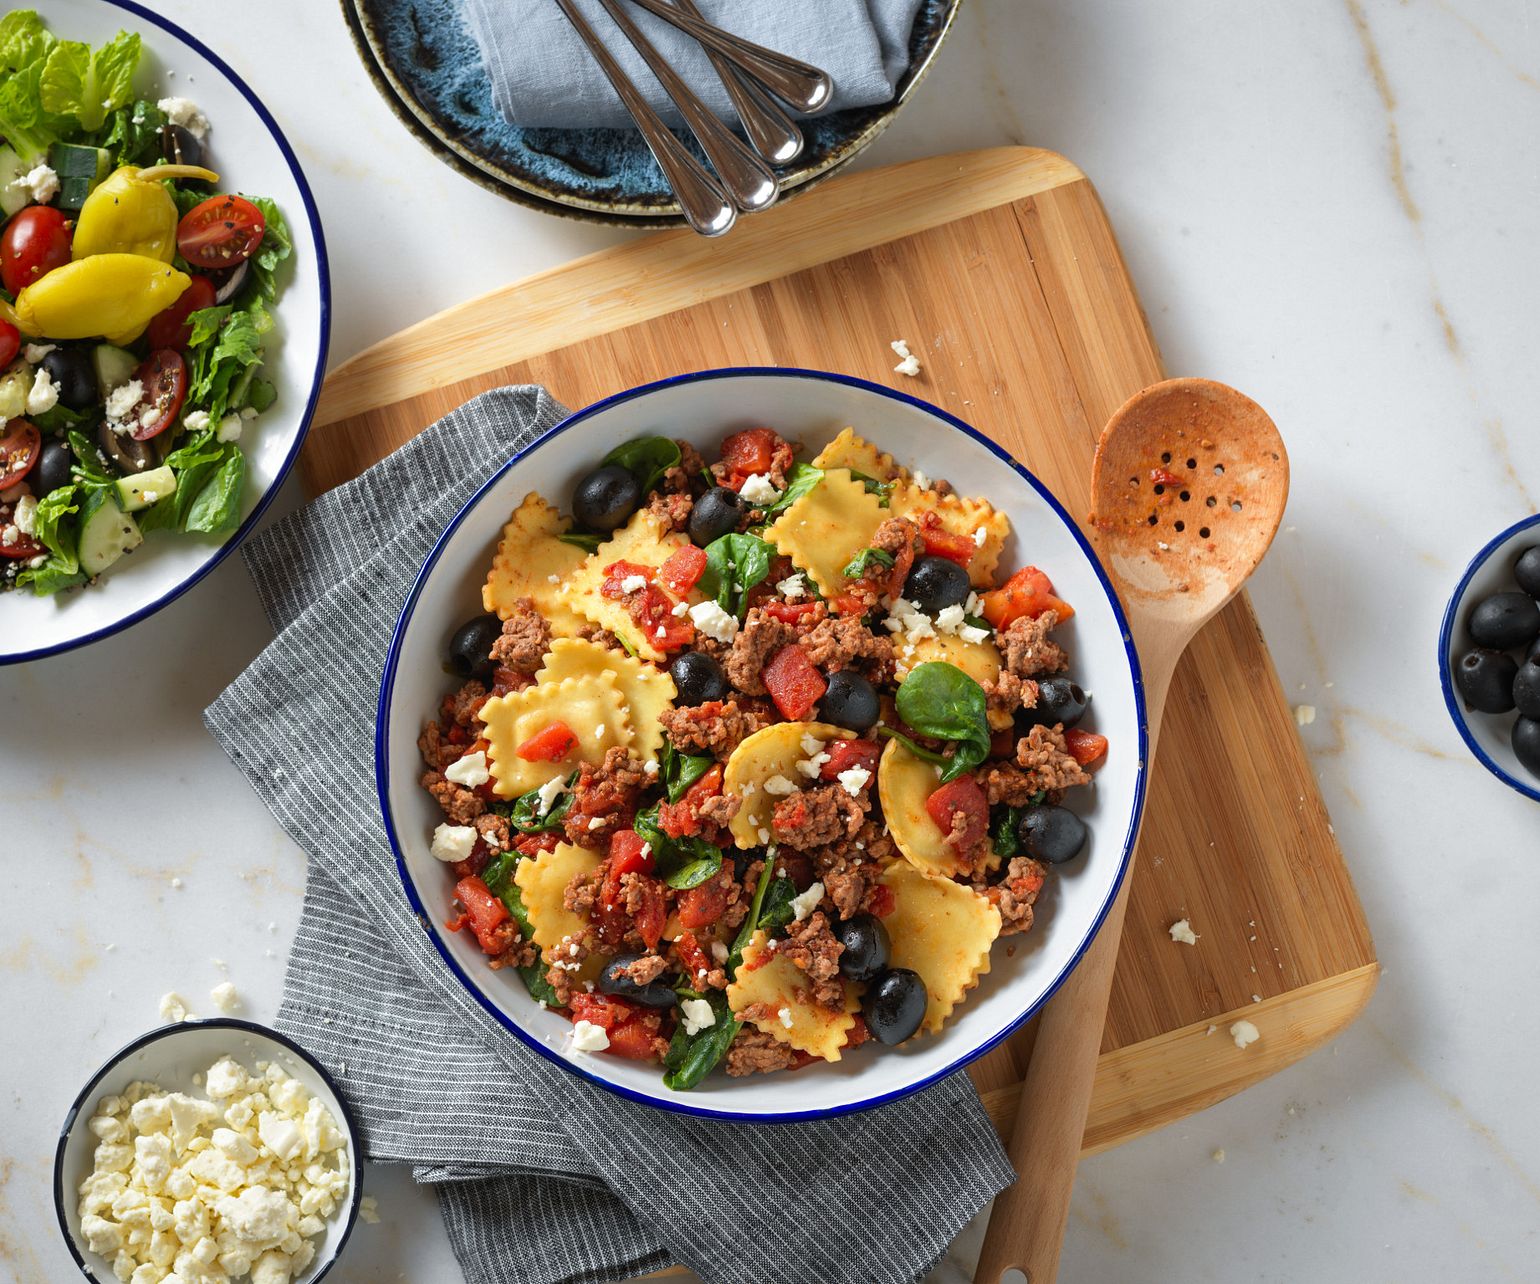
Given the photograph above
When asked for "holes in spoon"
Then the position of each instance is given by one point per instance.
(1165, 457)
(1192, 463)
(1219, 470)
(1154, 520)
(1203, 532)
(1185, 496)
(1180, 525)
(1235, 505)
(1211, 501)
(1159, 488)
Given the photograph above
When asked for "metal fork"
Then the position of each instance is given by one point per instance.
(774, 134)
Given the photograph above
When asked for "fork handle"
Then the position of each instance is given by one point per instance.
(774, 134)
(702, 200)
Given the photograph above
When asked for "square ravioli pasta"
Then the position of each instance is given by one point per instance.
(830, 770)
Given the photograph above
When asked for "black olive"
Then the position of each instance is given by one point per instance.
(1526, 744)
(129, 455)
(1527, 571)
(1485, 679)
(52, 469)
(180, 146)
(614, 981)
(1526, 689)
(606, 498)
(1059, 700)
(1051, 834)
(1504, 621)
(716, 513)
(866, 946)
(72, 370)
(936, 583)
(894, 1005)
(1534, 653)
(698, 678)
(851, 701)
(470, 648)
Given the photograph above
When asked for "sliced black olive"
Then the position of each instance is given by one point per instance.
(53, 467)
(716, 513)
(1504, 621)
(129, 455)
(613, 980)
(698, 678)
(71, 369)
(228, 280)
(851, 701)
(606, 498)
(1526, 744)
(1485, 679)
(1051, 834)
(180, 146)
(1527, 571)
(471, 646)
(894, 1005)
(1059, 700)
(936, 583)
(1526, 689)
(866, 943)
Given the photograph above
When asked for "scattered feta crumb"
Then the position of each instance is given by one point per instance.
(35, 352)
(588, 1037)
(764, 837)
(1244, 1034)
(714, 622)
(979, 536)
(553, 578)
(1210, 1031)
(785, 1015)
(650, 767)
(549, 792)
(225, 997)
(452, 843)
(187, 114)
(1218, 1156)
(176, 883)
(855, 780)
(793, 586)
(719, 951)
(680, 608)
(469, 771)
(805, 903)
(193, 420)
(780, 786)
(698, 1015)
(633, 584)
(1304, 714)
(758, 491)
(40, 183)
(1181, 930)
(173, 1007)
(44, 393)
(908, 364)
(369, 1210)
(25, 515)
(596, 822)
(229, 428)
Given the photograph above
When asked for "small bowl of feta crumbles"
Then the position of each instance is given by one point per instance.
(208, 1149)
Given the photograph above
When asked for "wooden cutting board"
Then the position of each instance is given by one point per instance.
(1000, 270)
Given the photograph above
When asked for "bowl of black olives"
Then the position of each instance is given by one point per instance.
(1489, 654)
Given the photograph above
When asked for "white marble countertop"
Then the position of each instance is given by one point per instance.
(1330, 205)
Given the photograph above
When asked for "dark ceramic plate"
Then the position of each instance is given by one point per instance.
(425, 62)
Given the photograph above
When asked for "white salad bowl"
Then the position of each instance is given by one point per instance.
(252, 155)
(810, 407)
(170, 1056)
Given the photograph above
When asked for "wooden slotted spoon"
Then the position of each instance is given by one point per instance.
(1187, 490)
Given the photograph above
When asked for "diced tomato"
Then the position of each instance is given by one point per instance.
(1161, 477)
(603, 1010)
(483, 911)
(505, 680)
(632, 1029)
(964, 796)
(702, 906)
(847, 754)
(651, 914)
(682, 819)
(1028, 884)
(534, 844)
(1085, 747)
(791, 612)
(683, 569)
(23, 547)
(630, 853)
(748, 452)
(551, 743)
(653, 611)
(881, 901)
(637, 1039)
(617, 573)
(940, 542)
(694, 957)
(1028, 592)
(793, 683)
(850, 604)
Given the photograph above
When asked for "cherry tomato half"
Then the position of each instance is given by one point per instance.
(20, 446)
(170, 329)
(24, 549)
(164, 377)
(10, 343)
(36, 240)
(220, 232)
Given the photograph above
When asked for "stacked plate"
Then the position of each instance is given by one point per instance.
(425, 63)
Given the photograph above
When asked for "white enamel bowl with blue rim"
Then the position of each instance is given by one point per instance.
(169, 1057)
(809, 407)
(1487, 735)
(250, 153)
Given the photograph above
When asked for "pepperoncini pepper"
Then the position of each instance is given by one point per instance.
(131, 212)
(113, 296)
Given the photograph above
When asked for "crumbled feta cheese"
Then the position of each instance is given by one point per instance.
(1304, 714)
(193, 420)
(949, 618)
(972, 633)
(187, 114)
(225, 997)
(549, 792)
(588, 1037)
(10, 535)
(793, 586)
(229, 428)
(452, 843)
(805, 903)
(43, 396)
(780, 786)
(596, 822)
(1244, 1034)
(40, 183)
(909, 364)
(25, 515)
(150, 496)
(906, 617)
(553, 578)
(633, 584)
(698, 1015)
(680, 608)
(855, 779)
(719, 951)
(764, 837)
(714, 622)
(811, 744)
(758, 491)
(35, 352)
(785, 1015)
(173, 1007)
(469, 771)
(1181, 930)
(121, 401)
(650, 767)
(920, 479)
(979, 536)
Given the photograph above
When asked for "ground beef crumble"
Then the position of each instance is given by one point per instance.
(1043, 764)
(460, 805)
(1016, 893)
(844, 642)
(494, 832)
(760, 637)
(819, 816)
(1007, 692)
(755, 1052)
(671, 510)
(525, 639)
(716, 727)
(437, 753)
(686, 475)
(1027, 651)
(811, 946)
(609, 794)
(645, 970)
(850, 867)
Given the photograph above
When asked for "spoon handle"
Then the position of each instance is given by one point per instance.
(800, 84)
(749, 181)
(702, 199)
(774, 134)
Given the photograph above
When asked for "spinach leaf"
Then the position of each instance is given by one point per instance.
(696, 871)
(1005, 831)
(588, 541)
(800, 479)
(678, 771)
(691, 1057)
(498, 876)
(918, 750)
(51, 526)
(777, 910)
(735, 564)
(525, 815)
(769, 909)
(882, 489)
(646, 458)
(978, 622)
(938, 699)
(862, 561)
(682, 863)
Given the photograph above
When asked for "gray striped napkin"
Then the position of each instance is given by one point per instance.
(541, 1177)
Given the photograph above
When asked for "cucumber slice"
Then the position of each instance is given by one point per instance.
(106, 533)
(80, 169)
(114, 366)
(15, 383)
(140, 490)
(11, 168)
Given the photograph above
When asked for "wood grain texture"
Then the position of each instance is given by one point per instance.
(1000, 269)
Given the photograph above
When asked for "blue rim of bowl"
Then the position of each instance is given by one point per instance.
(387, 684)
(323, 270)
(355, 1199)
(1445, 673)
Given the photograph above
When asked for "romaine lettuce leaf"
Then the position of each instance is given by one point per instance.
(87, 84)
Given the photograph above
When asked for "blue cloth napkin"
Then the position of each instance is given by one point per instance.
(543, 75)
